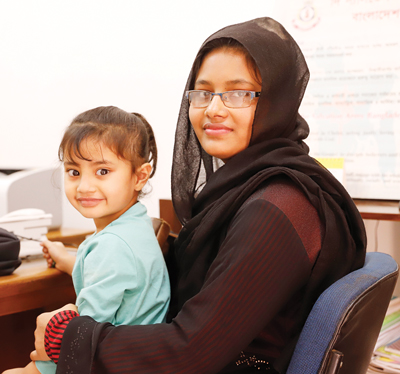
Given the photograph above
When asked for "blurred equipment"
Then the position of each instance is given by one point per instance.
(33, 188)
(28, 225)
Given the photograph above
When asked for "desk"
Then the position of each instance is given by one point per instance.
(378, 210)
(32, 289)
(33, 286)
(369, 209)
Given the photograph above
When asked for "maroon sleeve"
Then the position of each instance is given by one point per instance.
(260, 265)
(54, 332)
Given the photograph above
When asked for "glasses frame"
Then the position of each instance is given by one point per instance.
(253, 95)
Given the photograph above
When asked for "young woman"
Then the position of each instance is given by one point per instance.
(264, 234)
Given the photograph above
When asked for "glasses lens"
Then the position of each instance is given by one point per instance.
(237, 99)
(199, 99)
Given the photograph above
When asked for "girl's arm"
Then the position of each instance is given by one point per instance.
(56, 254)
(260, 265)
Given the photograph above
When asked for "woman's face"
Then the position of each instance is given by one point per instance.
(223, 132)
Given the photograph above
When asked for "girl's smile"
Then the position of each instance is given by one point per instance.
(89, 202)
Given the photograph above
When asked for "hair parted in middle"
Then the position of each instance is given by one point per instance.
(128, 135)
(225, 44)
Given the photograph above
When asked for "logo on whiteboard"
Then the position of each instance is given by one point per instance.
(307, 17)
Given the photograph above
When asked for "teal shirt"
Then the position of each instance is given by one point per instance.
(120, 275)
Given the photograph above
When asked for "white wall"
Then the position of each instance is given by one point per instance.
(59, 58)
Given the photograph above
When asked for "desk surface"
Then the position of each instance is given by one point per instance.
(378, 210)
(33, 285)
(67, 235)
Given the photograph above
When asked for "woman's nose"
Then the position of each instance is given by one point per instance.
(216, 107)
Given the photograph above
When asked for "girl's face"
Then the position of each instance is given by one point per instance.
(223, 132)
(104, 187)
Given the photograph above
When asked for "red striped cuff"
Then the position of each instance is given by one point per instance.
(54, 333)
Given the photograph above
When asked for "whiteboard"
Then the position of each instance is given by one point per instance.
(352, 102)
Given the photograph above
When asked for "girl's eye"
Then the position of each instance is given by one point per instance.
(73, 172)
(102, 172)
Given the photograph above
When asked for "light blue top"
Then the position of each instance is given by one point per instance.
(120, 275)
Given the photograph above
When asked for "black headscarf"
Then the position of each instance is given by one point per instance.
(284, 76)
(276, 148)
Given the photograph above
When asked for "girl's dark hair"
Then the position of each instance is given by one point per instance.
(128, 135)
(224, 44)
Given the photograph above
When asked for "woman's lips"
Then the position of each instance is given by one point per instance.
(216, 129)
(89, 202)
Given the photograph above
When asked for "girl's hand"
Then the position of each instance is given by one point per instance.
(57, 256)
(39, 354)
(53, 252)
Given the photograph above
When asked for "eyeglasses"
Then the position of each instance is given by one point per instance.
(231, 99)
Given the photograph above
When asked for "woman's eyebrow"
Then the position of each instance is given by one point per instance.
(240, 81)
(202, 81)
(231, 82)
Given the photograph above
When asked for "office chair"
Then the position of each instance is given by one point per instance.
(342, 328)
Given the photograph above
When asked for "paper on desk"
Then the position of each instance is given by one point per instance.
(30, 248)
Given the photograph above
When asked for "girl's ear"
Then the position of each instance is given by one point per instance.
(142, 174)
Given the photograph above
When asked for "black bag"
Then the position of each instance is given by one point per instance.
(9, 252)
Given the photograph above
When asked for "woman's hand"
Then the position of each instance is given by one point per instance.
(56, 254)
(39, 354)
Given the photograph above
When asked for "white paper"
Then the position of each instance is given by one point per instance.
(352, 103)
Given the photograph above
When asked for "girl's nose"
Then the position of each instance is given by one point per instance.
(85, 185)
(216, 107)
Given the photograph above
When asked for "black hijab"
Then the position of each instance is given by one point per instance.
(276, 148)
(284, 76)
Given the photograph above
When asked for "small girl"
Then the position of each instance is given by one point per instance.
(119, 273)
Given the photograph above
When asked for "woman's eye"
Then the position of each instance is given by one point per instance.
(239, 93)
(102, 172)
(73, 173)
(204, 94)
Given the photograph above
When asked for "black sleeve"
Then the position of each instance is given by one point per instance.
(260, 265)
